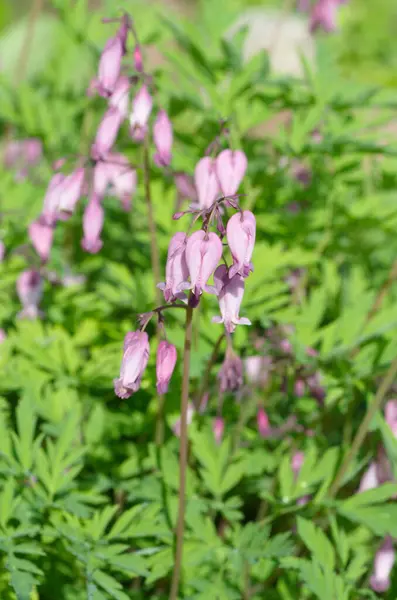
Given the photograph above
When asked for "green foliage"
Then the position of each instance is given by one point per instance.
(88, 502)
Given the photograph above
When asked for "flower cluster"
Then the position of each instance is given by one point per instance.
(191, 261)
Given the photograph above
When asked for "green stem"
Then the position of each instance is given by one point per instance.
(363, 429)
(180, 528)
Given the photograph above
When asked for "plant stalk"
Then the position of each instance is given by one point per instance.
(155, 260)
(363, 429)
(180, 528)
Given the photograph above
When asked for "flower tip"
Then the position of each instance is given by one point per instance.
(92, 247)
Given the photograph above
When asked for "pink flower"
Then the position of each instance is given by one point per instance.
(298, 458)
(231, 372)
(138, 62)
(106, 133)
(110, 65)
(115, 171)
(165, 365)
(141, 108)
(391, 415)
(263, 422)
(189, 418)
(203, 252)
(52, 198)
(3, 336)
(257, 369)
(370, 479)
(33, 150)
(162, 135)
(92, 225)
(383, 565)
(30, 291)
(324, 15)
(206, 182)
(240, 232)
(71, 190)
(230, 295)
(230, 169)
(41, 236)
(185, 186)
(299, 388)
(135, 359)
(176, 270)
(2, 251)
(120, 97)
(218, 427)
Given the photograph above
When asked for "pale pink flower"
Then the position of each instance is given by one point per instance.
(324, 15)
(218, 427)
(263, 422)
(2, 251)
(380, 580)
(106, 133)
(30, 291)
(185, 185)
(203, 252)
(135, 359)
(176, 270)
(121, 96)
(142, 106)
(241, 231)
(370, 479)
(206, 182)
(165, 365)
(189, 418)
(298, 458)
(93, 219)
(299, 388)
(110, 65)
(41, 236)
(71, 191)
(33, 150)
(230, 169)
(230, 294)
(230, 375)
(391, 415)
(257, 369)
(50, 213)
(3, 336)
(138, 62)
(115, 176)
(163, 137)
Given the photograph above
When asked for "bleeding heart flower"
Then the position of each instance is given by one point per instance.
(41, 236)
(241, 231)
(92, 225)
(206, 182)
(133, 365)
(230, 169)
(176, 270)
(162, 134)
(203, 252)
(230, 294)
(165, 365)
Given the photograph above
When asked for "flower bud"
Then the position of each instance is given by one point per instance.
(384, 561)
(203, 252)
(106, 133)
(206, 182)
(263, 422)
(324, 15)
(231, 372)
(93, 219)
(141, 108)
(230, 169)
(121, 97)
(370, 479)
(230, 295)
(71, 190)
(138, 62)
(391, 415)
(257, 369)
(165, 365)
(176, 270)
(218, 427)
(52, 198)
(240, 231)
(110, 65)
(135, 359)
(41, 236)
(299, 388)
(162, 135)
(30, 291)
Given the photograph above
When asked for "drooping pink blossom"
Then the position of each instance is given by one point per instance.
(163, 137)
(230, 169)
(93, 219)
(115, 176)
(263, 422)
(298, 458)
(138, 62)
(370, 479)
(258, 368)
(71, 191)
(185, 185)
(106, 133)
(50, 212)
(33, 150)
(203, 252)
(30, 291)
(230, 294)
(165, 365)
(218, 427)
(110, 65)
(299, 387)
(324, 15)
(391, 415)
(189, 418)
(120, 97)
(230, 375)
(141, 108)
(380, 580)
(41, 236)
(176, 270)
(122, 32)
(133, 365)
(240, 232)
(206, 182)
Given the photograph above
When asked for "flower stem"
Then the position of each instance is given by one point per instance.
(180, 528)
(155, 259)
(363, 429)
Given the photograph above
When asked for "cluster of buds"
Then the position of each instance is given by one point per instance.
(191, 261)
(106, 171)
(323, 15)
(379, 472)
